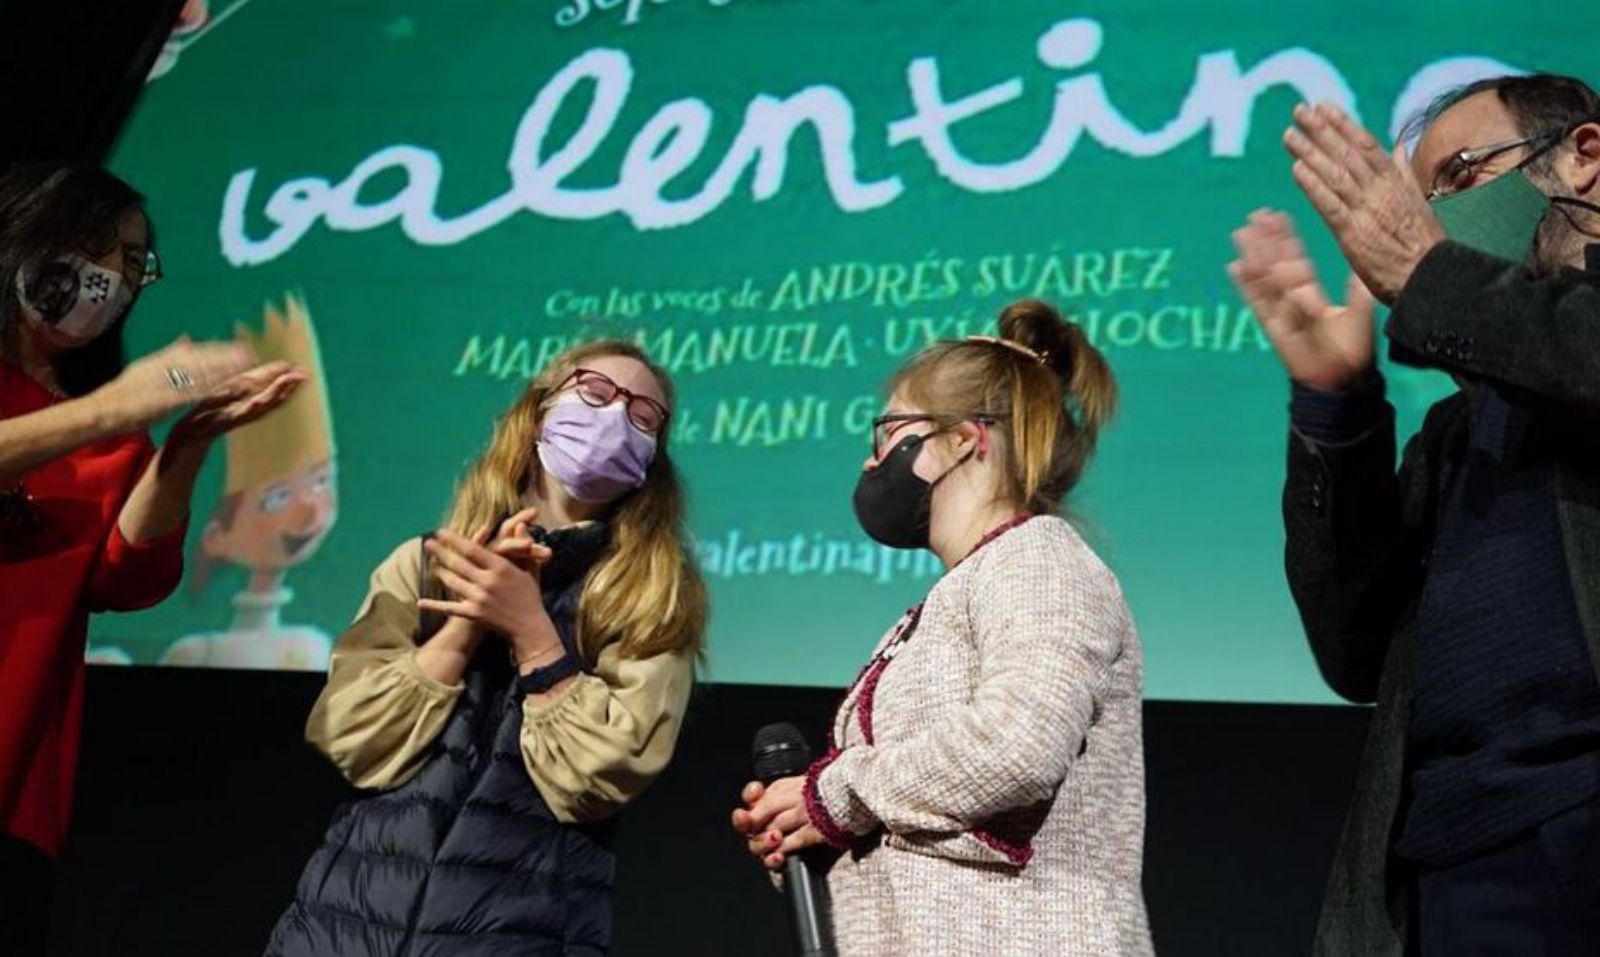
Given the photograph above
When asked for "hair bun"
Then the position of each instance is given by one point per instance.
(1037, 326)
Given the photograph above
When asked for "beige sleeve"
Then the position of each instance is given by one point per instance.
(378, 713)
(608, 734)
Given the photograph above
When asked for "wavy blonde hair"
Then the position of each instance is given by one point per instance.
(646, 591)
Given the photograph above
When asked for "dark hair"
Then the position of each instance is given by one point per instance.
(1049, 385)
(49, 209)
(1542, 104)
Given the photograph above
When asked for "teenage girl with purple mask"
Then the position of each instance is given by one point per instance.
(510, 683)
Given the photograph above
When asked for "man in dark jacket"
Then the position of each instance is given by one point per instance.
(1463, 593)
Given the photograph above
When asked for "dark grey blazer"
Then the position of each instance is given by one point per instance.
(1359, 534)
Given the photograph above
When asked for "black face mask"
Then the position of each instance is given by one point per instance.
(893, 503)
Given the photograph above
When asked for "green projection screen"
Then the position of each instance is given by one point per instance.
(781, 200)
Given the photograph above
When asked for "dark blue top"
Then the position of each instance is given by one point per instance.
(464, 859)
(1505, 726)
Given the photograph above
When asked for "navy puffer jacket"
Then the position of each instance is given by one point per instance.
(466, 858)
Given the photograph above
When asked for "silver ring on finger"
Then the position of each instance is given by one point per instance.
(179, 378)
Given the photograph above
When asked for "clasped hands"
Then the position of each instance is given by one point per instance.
(493, 578)
(774, 821)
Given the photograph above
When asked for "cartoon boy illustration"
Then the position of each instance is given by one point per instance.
(278, 505)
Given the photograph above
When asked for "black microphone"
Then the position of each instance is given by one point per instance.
(780, 751)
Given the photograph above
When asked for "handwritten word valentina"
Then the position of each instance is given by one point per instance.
(1221, 100)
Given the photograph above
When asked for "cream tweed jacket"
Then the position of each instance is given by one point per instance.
(988, 777)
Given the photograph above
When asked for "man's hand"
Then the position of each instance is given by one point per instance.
(1322, 345)
(1369, 199)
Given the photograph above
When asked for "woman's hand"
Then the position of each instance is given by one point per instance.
(514, 542)
(774, 821)
(491, 590)
(241, 400)
(447, 654)
(166, 381)
(159, 501)
(146, 391)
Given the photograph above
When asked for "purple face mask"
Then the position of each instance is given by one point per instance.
(596, 454)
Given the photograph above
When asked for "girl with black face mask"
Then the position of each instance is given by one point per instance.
(984, 786)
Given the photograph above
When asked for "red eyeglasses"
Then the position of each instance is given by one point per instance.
(599, 390)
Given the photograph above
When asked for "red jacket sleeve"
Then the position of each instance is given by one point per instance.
(129, 577)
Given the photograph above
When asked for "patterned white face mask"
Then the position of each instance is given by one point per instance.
(76, 302)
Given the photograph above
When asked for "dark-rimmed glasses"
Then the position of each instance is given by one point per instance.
(140, 268)
(599, 390)
(886, 427)
(1458, 172)
(141, 264)
(149, 271)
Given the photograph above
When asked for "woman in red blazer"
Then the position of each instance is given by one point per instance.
(92, 515)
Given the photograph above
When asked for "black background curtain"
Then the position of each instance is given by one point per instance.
(71, 72)
(199, 803)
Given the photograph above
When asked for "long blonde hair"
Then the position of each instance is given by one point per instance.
(1053, 397)
(646, 592)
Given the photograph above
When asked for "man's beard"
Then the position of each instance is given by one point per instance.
(1559, 242)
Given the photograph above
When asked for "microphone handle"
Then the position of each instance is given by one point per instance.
(805, 894)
